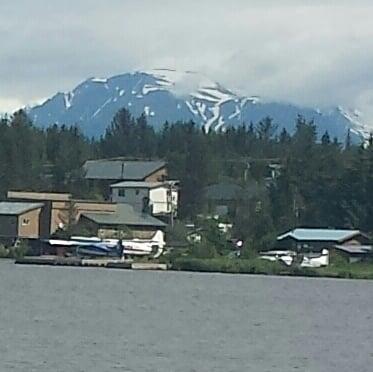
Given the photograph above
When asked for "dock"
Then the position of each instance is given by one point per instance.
(148, 266)
(96, 262)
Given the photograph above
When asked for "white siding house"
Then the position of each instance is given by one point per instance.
(161, 197)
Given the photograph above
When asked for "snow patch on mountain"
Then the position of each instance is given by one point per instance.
(147, 88)
(236, 113)
(101, 108)
(68, 98)
(99, 80)
(354, 116)
(203, 97)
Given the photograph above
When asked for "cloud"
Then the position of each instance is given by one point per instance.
(315, 53)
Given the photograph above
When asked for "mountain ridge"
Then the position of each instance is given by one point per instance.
(170, 95)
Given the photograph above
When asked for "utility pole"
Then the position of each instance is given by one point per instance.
(171, 206)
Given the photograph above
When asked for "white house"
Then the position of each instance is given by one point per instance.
(160, 197)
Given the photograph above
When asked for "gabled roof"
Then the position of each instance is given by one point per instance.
(328, 235)
(120, 169)
(355, 249)
(125, 215)
(144, 184)
(17, 208)
(140, 185)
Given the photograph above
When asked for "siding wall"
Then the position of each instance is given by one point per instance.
(29, 224)
(161, 201)
(8, 226)
(158, 198)
(61, 210)
(359, 240)
(137, 232)
(159, 175)
(107, 232)
(133, 196)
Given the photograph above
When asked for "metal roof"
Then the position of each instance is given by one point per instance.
(145, 185)
(117, 169)
(140, 184)
(125, 215)
(328, 235)
(355, 249)
(17, 208)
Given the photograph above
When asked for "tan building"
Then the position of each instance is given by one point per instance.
(20, 220)
(60, 209)
(39, 215)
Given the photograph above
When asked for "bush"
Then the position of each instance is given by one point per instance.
(264, 267)
(203, 250)
(260, 266)
(177, 233)
(248, 250)
(226, 265)
(267, 242)
(303, 271)
(4, 253)
(61, 234)
(19, 250)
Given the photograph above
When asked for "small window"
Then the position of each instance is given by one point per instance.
(122, 193)
(25, 221)
(137, 191)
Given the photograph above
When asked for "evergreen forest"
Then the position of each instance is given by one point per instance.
(319, 183)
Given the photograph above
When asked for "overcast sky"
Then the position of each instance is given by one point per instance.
(316, 53)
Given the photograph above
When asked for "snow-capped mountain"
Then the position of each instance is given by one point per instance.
(168, 95)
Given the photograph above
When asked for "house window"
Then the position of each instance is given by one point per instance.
(25, 221)
(122, 193)
(137, 191)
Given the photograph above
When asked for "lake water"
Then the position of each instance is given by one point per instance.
(97, 320)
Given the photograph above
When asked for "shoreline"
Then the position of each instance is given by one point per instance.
(257, 266)
(362, 271)
(285, 274)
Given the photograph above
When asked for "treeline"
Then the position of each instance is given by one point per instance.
(320, 183)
